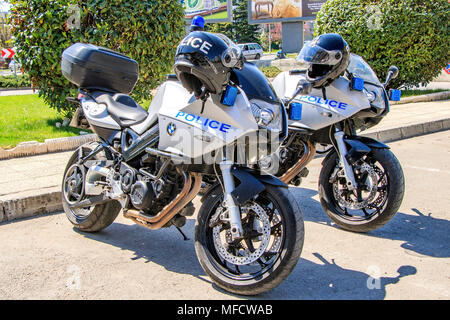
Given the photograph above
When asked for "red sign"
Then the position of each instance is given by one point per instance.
(447, 69)
(7, 53)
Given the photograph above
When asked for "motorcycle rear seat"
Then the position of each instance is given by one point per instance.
(122, 108)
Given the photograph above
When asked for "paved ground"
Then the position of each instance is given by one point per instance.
(412, 113)
(45, 258)
(22, 177)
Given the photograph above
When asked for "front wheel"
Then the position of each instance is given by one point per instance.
(381, 187)
(270, 248)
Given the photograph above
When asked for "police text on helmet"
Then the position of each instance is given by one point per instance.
(197, 43)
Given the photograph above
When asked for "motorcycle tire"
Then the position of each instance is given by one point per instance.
(95, 218)
(392, 196)
(289, 230)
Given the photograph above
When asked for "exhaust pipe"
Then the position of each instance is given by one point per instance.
(310, 152)
(190, 190)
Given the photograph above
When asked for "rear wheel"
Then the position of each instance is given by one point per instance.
(258, 56)
(91, 219)
(374, 203)
(270, 249)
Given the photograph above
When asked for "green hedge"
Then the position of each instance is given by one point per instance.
(22, 81)
(411, 34)
(148, 31)
(270, 72)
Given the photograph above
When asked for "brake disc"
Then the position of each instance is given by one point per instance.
(244, 255)
(349, 199)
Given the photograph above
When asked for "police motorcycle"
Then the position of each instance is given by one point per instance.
(361, 184)
(150, 165)
(281, 54)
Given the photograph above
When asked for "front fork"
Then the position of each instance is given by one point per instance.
(234, 214)
(348, 170)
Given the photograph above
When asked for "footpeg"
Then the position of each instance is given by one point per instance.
(297, 181)
(188, 211)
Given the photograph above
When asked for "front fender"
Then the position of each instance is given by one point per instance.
(251, 184)
(359, 146)
(372, 143)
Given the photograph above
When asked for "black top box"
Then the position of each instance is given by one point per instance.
(95, 68)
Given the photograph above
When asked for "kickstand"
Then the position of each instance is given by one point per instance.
(182, 233)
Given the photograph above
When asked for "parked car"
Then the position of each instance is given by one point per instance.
(251, 50)
(3, 63)
(16, 64)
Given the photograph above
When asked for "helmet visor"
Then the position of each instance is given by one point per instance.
(317, 55)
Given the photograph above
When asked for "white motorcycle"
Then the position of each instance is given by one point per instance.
(361, 184)
(249, 231)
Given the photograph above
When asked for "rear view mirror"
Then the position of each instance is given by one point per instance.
(392, 74)
(394, 71)
(304, 87)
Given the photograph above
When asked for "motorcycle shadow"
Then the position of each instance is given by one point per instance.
(422, 233)
(164, 247)
(309, 280)
(329, 281)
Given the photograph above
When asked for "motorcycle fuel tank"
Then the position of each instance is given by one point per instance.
(314, 111)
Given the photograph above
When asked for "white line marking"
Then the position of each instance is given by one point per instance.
(428, 169)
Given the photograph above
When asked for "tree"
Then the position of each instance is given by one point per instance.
(224, 28)
(239, 31)
(411, 34)
(244, 32)
(5, 32)
(147, 31)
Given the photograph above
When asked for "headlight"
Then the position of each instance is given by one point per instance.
(263, 116)
(370, 95)
(267, 115)
(375, 96)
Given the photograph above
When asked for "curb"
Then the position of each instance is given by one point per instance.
(30, 206)
(410, 131)
(51, 202)
(33, 148)
(17, 89)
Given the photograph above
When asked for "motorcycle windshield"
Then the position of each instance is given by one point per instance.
(361, 69)
(254, 83)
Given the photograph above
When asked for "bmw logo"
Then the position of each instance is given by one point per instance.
(171, 128)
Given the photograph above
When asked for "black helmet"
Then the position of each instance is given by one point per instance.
(204, 60)
(328, 56)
